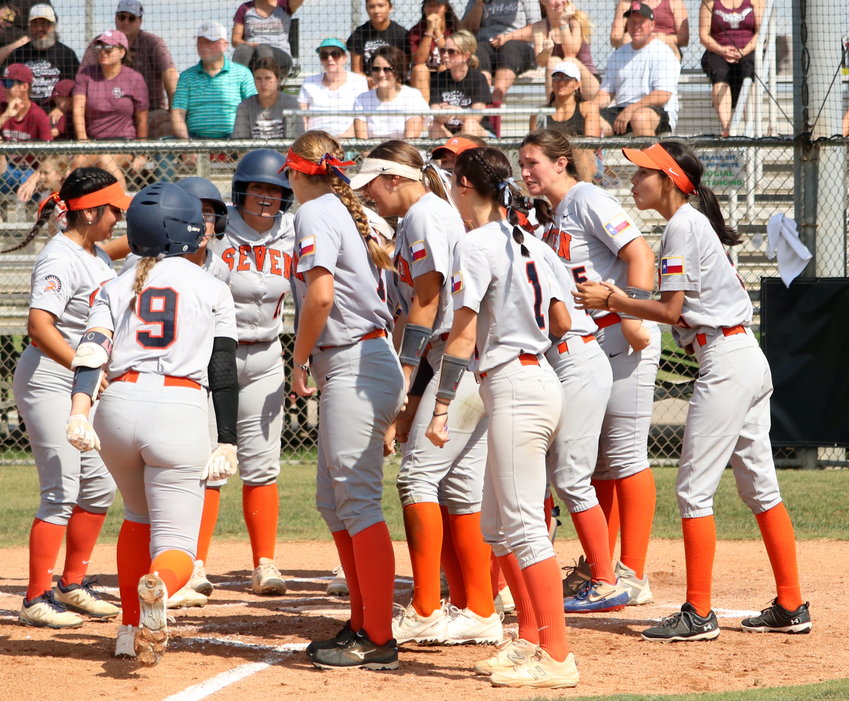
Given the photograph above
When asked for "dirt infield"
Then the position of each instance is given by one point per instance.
(244, 646)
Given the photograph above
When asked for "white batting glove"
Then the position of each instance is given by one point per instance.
(80, 433)
(222, 463)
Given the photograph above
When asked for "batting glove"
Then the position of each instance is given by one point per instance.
(222, 463)
(80, 433)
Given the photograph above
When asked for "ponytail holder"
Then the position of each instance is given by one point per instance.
(506, 189)
(61, 207)
(334, 165)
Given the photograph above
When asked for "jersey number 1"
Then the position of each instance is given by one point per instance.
(157, 305)
(533, 278)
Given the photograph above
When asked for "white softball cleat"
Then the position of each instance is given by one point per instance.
(266, 579)
(151, 637)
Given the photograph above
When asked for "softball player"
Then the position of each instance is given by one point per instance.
(151, 423)
(257, 247)
(506, 302)
(342, 334)
(76, 490)
(428, 233)
(597, 240)
(704, 300)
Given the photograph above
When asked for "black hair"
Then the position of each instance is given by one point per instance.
(451, 21)
(82, 181)
(685, 157)
(395, 58)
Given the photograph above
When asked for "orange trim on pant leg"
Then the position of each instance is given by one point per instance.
(261, 505)
(546, 591)
(450, 561)
(699, 551)
(376, 575)
(345, 549)
(637, 497)
(605, 490)
(133, 563)
(174, 568)
(208, 520)
(780, 541)
(473, 555)
(528, 628)
(80, 538)
(423, 526)
(592, 532)
(45, 540)
(548, 508)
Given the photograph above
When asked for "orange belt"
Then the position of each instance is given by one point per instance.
(377, 333)
(701, 339)
(168, 380)
(563, 348)
(524, 359)
(607, 320)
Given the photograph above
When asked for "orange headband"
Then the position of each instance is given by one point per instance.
(657, 158)
(306, 166)
(111, 194)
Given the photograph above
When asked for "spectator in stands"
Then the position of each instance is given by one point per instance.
(15, 22)
(150, 56)
(427, 37)
(110, 102)
(60, 114)
(448, 152)
(729, 32)
(573, 115)
(672, 26)
(261, 30)
(209, 93)
(49, 60)
(379, 31)
(390, 93)
(501, 60)
(335, 89)
(461, 85)
(21, 120)
(261, 116)
(639, 92)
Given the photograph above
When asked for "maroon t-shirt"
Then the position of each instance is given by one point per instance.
(111, 104)
(33, 126)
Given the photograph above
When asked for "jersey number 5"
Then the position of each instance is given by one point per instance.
(533, 278)
(157, 306)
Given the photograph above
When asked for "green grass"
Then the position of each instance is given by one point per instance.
(816, 500)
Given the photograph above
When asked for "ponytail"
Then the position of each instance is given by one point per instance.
(378, 255)
(43, 216)
(143, 268)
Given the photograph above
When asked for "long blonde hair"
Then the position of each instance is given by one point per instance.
(143, 268)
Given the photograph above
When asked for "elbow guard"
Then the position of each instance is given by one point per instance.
(450, 373)
(413, 344)
(91, 357)
(224, 385)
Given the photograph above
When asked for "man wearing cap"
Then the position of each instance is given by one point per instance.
(49, 60)
(448, 152)
(333, 90)
(209, 93)
(639, 93)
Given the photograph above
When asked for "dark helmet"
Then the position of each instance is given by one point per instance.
(164, 219)
(207, 192)
(261, 166)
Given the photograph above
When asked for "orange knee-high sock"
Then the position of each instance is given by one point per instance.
(260, 505)
(473, 555)
(45, 539)
(174, 568)
(546, 590)
(423, 526)
(780, 541)
(80, 538)
(606, 492)
(208, 520)
(528, 628)
(345, 548)
(376, 573)
(450, 561)
(496, 576)
(699, 551)
(133, 563)
(636, 495)
(592, 532)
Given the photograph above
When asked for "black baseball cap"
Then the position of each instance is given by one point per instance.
(640, 9)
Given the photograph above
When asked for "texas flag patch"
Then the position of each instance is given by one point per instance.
(418, 251)
(456, 282)
(672, 266)
(306, 247)
(617, 225)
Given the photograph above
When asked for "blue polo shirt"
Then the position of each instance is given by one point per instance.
(211, 101)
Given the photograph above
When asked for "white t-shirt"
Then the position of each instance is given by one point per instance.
(392, 126)
(319, 98)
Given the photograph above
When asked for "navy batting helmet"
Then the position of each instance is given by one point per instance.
(205, 191)
(261, 166)
(164, 219)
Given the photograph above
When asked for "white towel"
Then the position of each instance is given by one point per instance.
(783, 241)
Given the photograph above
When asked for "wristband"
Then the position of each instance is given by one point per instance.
(413, 344)
(607, 300)
(450, 373)
(637, 292)
(444, 413)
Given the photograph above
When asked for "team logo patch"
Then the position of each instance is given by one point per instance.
(672, 266)
(52, 283)
(418, 251)
(456, 282)
(617, 225)
(306, 247)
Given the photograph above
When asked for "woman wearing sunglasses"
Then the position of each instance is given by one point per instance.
(387, 71)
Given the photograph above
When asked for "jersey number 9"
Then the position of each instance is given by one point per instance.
(157, 306)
